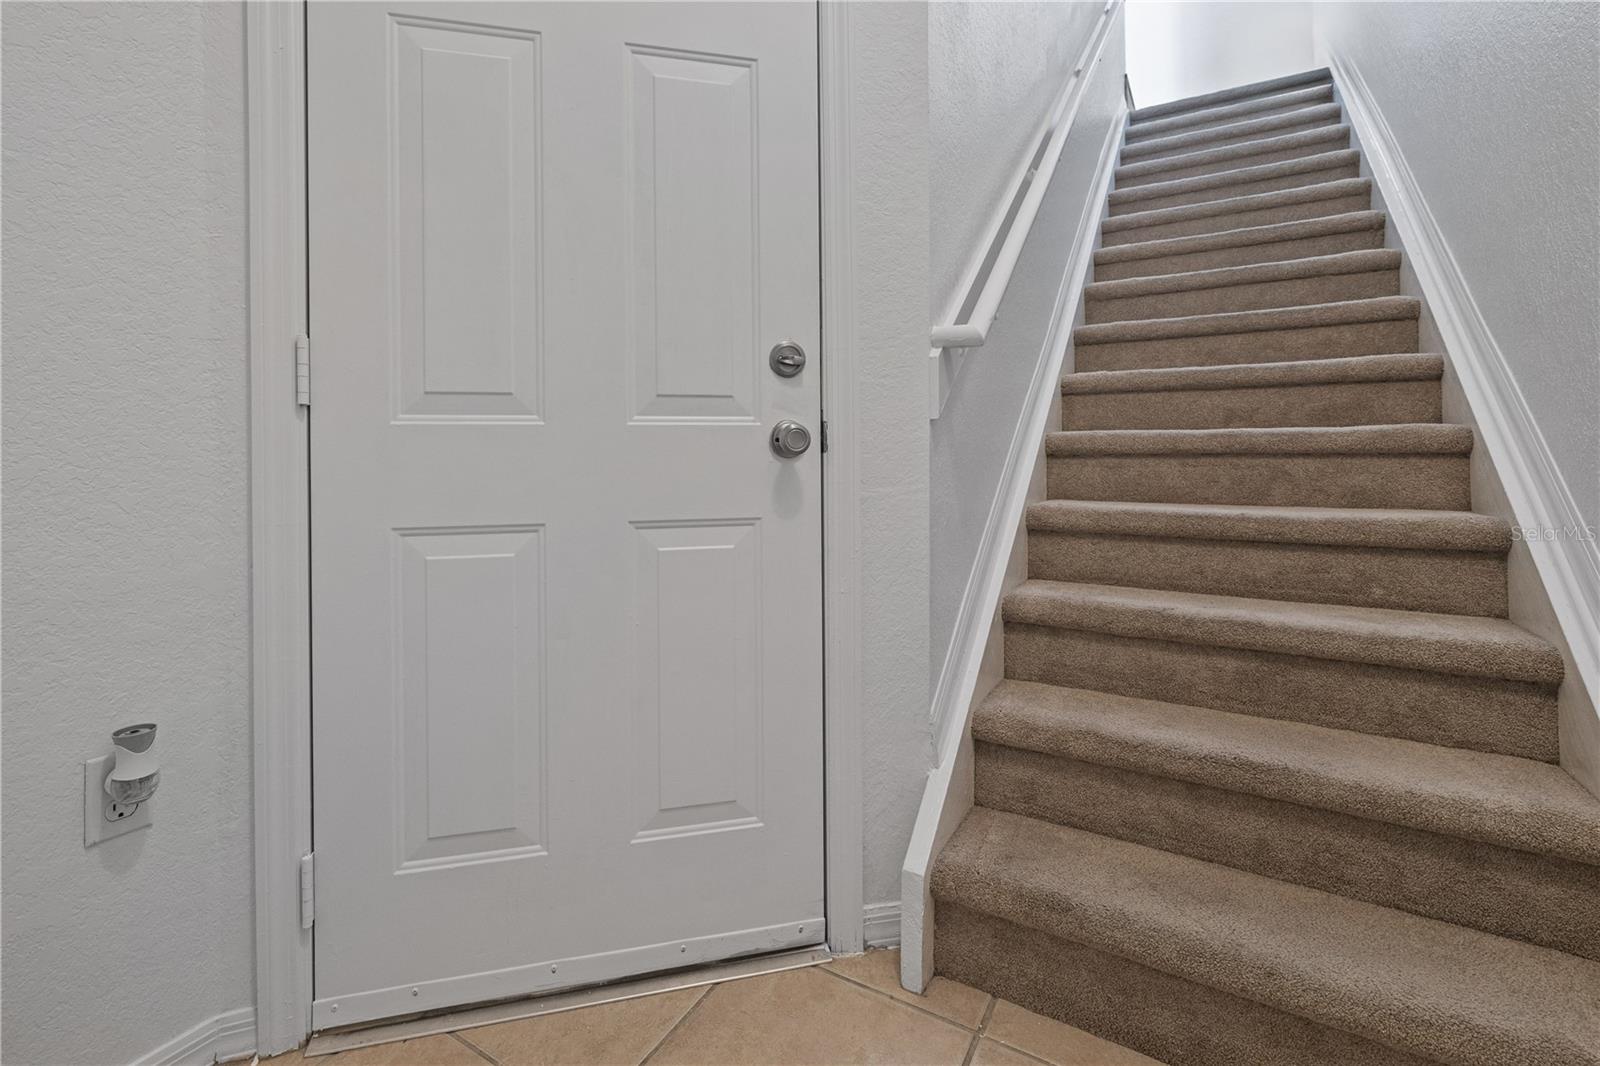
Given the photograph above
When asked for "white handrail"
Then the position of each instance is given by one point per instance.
(975, 330)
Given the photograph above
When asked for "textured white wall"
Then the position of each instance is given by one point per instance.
(125, 580)
(126, 528)
(889, 76)
(1190, 47)
(993, 71)
(1494, 107)
(970, 440)
(126, 480)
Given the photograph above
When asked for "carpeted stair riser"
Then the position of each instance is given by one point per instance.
(1306, 207)
(1247, 181)
(1502, 800)
(1214, 133)
(1289, 292)
(1258, 346)
(1176, 1021)
(1228, 114)
(1224, 97)
(1372, 403)
(1426, 481)
(1537, 899)
(1226, 136)
(1253, 153)
(1445, 582)
(1302, 240)
(1372, 390)
(1273, 335)
(1481, 714)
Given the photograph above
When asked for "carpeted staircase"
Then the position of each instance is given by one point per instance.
(1271, 778)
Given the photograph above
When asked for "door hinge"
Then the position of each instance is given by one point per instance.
(302, 370)
(824, 434)
(308, 895)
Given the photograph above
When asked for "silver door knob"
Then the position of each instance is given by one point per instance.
(790, 439)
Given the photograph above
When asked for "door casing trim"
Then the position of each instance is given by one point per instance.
(280, 518)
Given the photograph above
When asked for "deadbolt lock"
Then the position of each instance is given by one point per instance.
(787, 359)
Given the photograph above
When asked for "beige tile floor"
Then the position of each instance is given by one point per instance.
(849, 1010)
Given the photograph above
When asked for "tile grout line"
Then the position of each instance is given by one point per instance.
(705, 995)
(482, 1054)
(977, 1034)
(896, 999)
(1028, 1054)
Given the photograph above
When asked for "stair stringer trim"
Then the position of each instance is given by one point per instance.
(974, 662)
(1534, 490)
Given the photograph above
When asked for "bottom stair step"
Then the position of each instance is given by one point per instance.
(1196, 963)
(1505, 845)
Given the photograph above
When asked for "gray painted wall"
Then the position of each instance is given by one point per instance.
(126, 592)
(1494, 107)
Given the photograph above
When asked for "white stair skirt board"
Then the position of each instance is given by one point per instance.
(973, 663)
(555, 1003)
(224, 1038)
(552, 974)
(1570, 566)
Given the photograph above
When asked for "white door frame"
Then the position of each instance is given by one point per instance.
(280, 519)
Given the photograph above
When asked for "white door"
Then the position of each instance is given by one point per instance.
(566, 598)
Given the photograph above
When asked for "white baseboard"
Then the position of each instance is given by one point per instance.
(882, 923)
(1569, 566)
(224, 1038)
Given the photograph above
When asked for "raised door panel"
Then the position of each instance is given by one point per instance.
(470, 663)
(465, 174)
(697, 677)
(694, 267)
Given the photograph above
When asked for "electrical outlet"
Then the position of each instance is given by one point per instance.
(103, 819)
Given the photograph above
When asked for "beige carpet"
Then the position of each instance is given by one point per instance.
(1271, 778)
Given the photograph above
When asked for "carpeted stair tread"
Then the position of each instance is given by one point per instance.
(1275, 233)
(1460, 645)
(1316, 266)
(1242, 177)
(1419, 438)
(1336, 136)
(1344, 312)
(1227, 96)
(1496, 799)
(1282, 101)
(1245, 127)
(1302, 201)
(1405, 366)
(1462, 531)
(1438, 990)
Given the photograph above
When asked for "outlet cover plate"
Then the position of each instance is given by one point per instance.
(95, 825)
